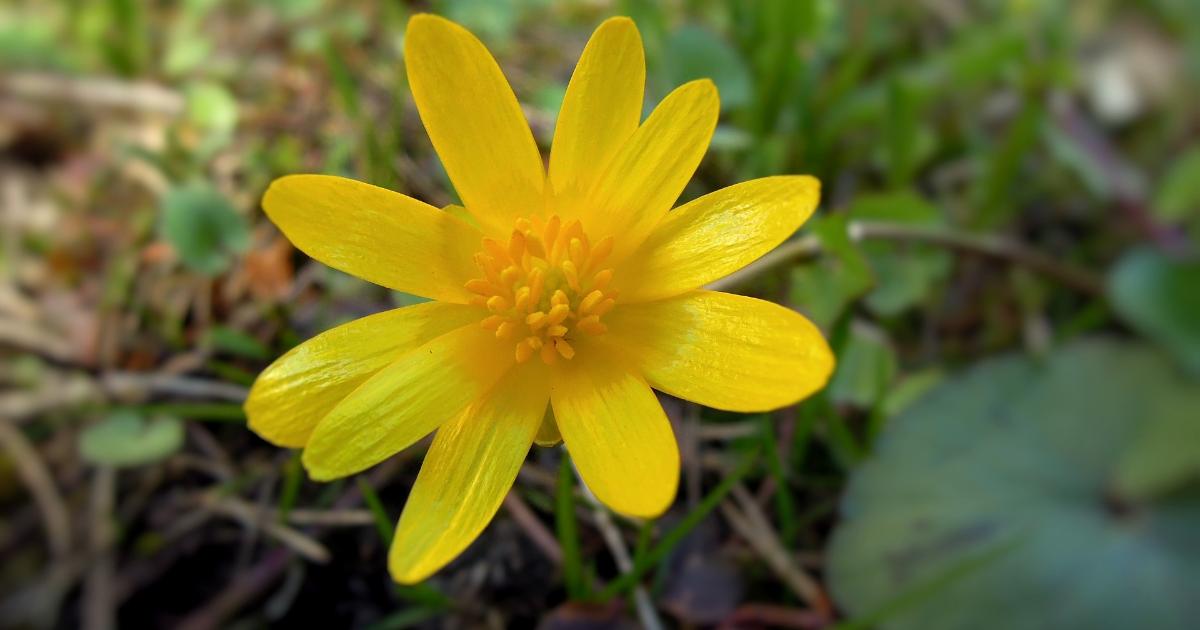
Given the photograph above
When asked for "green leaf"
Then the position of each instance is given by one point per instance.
(905, 273)
(236, 342)
(694, 52)
(125, 438)
(1178, 196)
(866, 368)
(1021, 454)
(211, 107)
(203, 227)
(825, 287)
(1160, 297)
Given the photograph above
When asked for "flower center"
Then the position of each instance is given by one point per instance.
(545, 287)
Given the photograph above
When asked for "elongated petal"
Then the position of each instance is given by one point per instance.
(602, 106)
(406, 401)
(617, 434)
(718, 234)
(291, 396)
(470, 467)
(724, 351)
(376, 234)
(650, 170)
(474, 121)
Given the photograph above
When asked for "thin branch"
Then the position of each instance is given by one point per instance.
(616, 545)
(533, 527)
(754, 526)
(93, 93)
(985, 245)
(32, 470)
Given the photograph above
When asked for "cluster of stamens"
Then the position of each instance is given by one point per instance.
(544, 286)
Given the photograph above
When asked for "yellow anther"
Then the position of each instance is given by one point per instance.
(541, 288)
(603, 307)
(551, 233)
(536, 320)
(516, 246)
(578, 256)
(537, 280)
(511, 274)
(590, 301)
(591, 325)
(524, 352)
(600, 253)
(522, 299)
(571, 274)
(493, 247)
(557, 314)
(601, 279)
(480, 286)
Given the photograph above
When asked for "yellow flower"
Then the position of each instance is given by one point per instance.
(573, 289)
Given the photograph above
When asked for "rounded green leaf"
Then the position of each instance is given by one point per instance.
(998, 501)
(126, 439)
(1160, 297)
(203, 227)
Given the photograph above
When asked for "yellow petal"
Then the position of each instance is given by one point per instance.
(602, 106)
(718, 234)
(291, 396)
(470, 467)
(650, 170)
(724, 351)
(405, 401)
(474, 121)
(617, 434)
(376, 234)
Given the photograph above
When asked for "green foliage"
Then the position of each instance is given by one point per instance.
(1160, 297)
(866, 368)
(1019, 458)
(694, 52)
(1178, 196)
(827, 286)
(904, 272)
(126, 439)
(203, 227)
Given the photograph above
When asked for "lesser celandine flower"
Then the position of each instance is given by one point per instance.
(571, 287)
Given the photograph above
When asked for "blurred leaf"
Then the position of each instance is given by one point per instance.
(1161, 298)
(826, 286)
(1165, 456)
(865, 370)
(904, 272)
(492, 20)
(998, 193)
(910, 389)
(211, 107)
(203, 227)
(1023, 454)
(236, 342)
(694, 52)
(186, 52)
(124, 438)
(1178, 195)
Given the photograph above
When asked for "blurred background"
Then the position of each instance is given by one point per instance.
(1004, 261)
